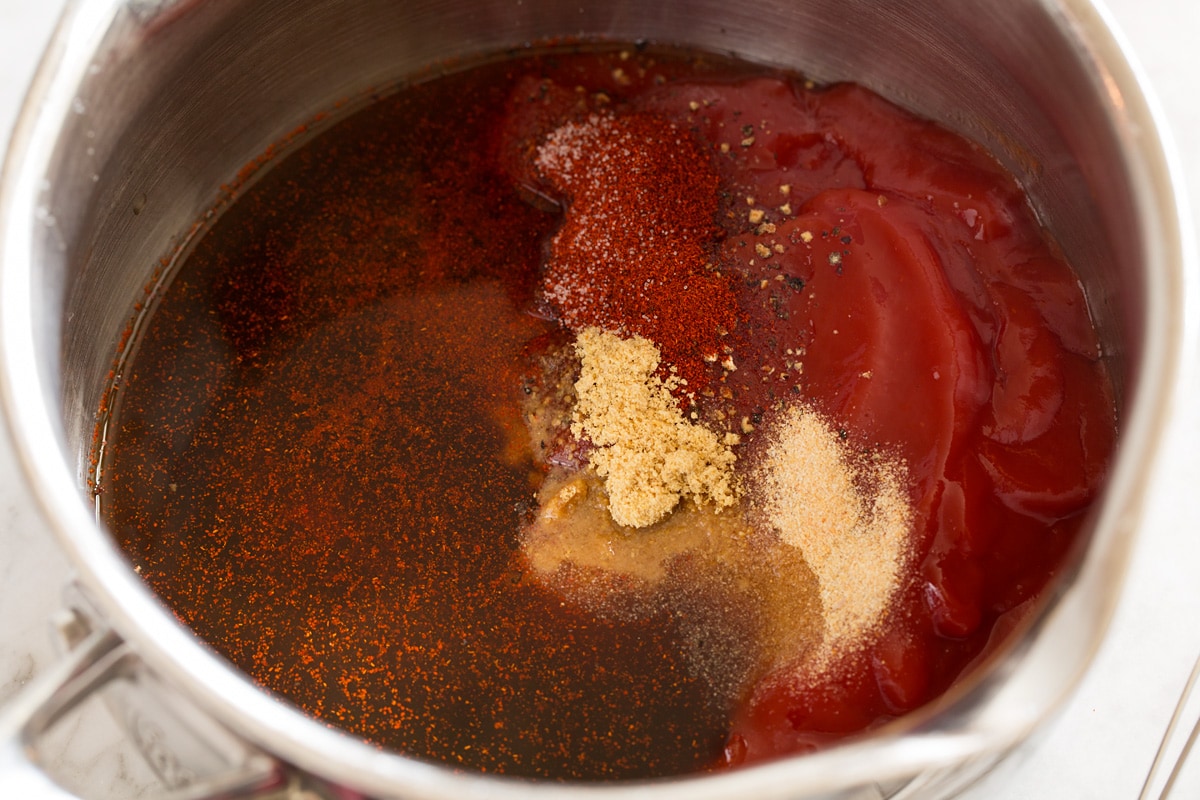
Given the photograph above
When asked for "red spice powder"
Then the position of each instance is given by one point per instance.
(608, 273)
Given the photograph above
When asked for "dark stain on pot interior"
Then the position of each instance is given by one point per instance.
(325, 459)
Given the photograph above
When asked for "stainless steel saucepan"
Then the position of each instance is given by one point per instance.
(142, 109)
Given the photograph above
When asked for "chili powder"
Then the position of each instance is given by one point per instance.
(635, 253)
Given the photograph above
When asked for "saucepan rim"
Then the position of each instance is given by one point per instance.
(920, 743)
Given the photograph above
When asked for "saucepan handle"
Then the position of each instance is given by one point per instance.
(95, 662)
(101, 659)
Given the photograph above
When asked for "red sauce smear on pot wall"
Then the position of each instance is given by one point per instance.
(320, 464)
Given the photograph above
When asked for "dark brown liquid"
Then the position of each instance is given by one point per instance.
(318, 459)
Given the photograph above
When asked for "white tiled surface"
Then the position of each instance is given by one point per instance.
(1100, 748)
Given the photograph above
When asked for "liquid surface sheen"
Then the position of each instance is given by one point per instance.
(327, 454)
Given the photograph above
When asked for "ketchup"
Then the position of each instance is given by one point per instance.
(936, 318)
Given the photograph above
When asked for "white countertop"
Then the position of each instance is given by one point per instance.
(1102, 745)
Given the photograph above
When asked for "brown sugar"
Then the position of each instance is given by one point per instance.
(648, 454)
